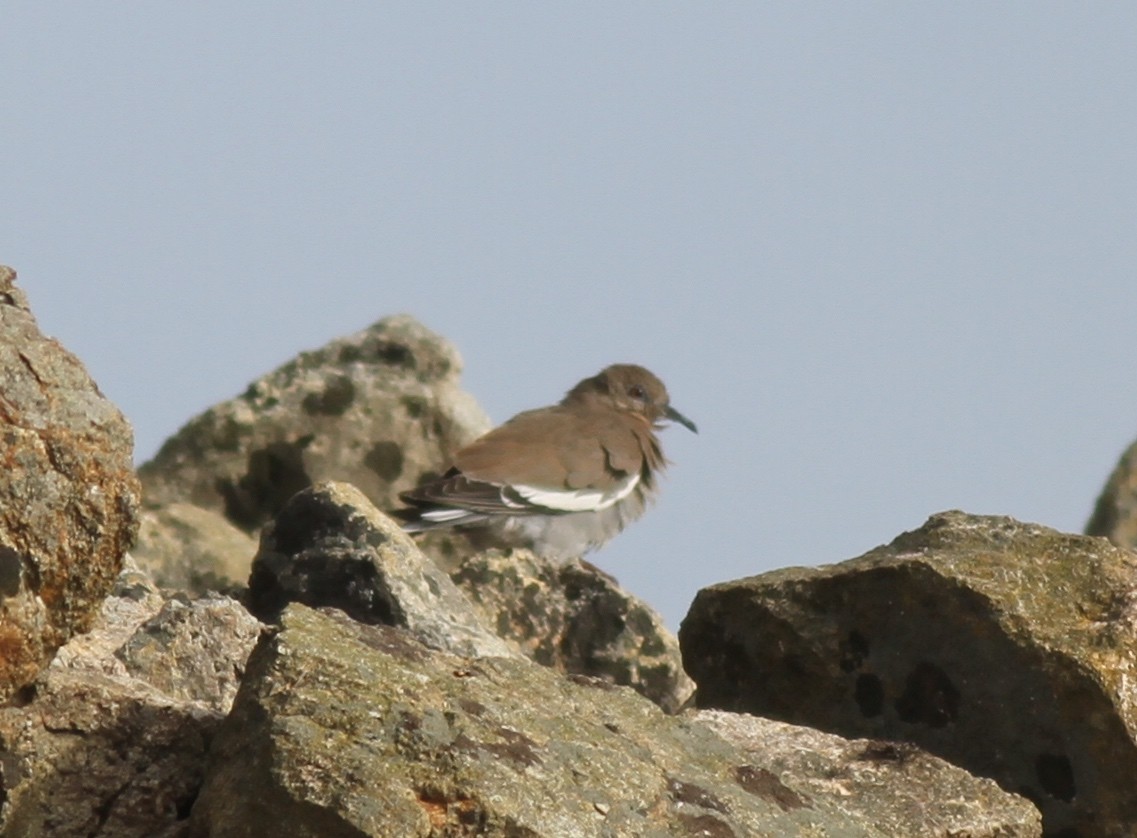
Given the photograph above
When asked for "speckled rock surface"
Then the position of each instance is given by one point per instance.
(110, 741)
(187, 548)
(68, 495)
(894, 786)
(330, 547)
(576, 619)
(1007, 648)
(345, 729)
(377, 409)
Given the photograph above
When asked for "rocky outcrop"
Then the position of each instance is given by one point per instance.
(112, 738)
(1006, 648)
(376, 409)
(68, 495)
(330, 547)
(347, 729)
(503, 696)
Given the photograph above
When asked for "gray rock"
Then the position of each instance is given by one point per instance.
(576, 619)
(1115, 513)
(894, 786)
(187, 548)
(1005, 648)
(68, 495)
(193, 651)
(379, 409)
(330, 547)
(347, 729)
(112, 740)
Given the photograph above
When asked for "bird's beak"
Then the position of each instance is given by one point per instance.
(675, 416)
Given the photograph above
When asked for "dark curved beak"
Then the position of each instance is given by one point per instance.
(675, 416)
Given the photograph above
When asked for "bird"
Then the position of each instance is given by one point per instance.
(561, 480)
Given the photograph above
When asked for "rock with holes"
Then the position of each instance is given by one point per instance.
(894, 786)
(576, 619)
(1007, 648)
(68, 495)
(378, 409)
(1115, 514)
(111, 739)
(346, 729)
(330, 547)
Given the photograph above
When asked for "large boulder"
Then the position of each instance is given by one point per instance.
(1007, 648)
(68, 495)
(346, 729)
(377, 409)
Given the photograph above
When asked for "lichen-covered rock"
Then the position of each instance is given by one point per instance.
(894, 786)
(378, 409)
(330, 547)
(347, 729)
(1115, 513)
(111, 741)
(187, 548)
(1007, 648)
(576, 619)
(68, 495)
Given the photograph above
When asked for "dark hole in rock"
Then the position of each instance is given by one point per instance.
(854, 650)
(869, 695)
(1056, 776)
(929, 697)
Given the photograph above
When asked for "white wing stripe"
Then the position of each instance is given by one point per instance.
(578, 500)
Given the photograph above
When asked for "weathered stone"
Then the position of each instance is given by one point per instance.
(894, 786)
(379, 409)
(112, 740)
(193, 650)
(68, 495)
(187, 548)
(347, 729)
(330, 547)
(1115, 514)
(1006, 648)
(576, 619)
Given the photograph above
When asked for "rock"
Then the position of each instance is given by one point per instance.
(114, 737)
(330, 547)
(379, 409)
(187, 548)
(68, 495)
(576, 619)
(193, 651)
(893, 786)
(347, 729)
(1115, 514)
(1005, 648)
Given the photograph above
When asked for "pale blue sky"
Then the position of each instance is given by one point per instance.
(885, 254)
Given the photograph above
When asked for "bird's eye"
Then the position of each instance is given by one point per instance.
(637, 392)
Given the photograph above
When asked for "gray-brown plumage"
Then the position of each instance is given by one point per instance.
(562, 479)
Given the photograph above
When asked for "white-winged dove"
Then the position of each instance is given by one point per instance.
(563, 479)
